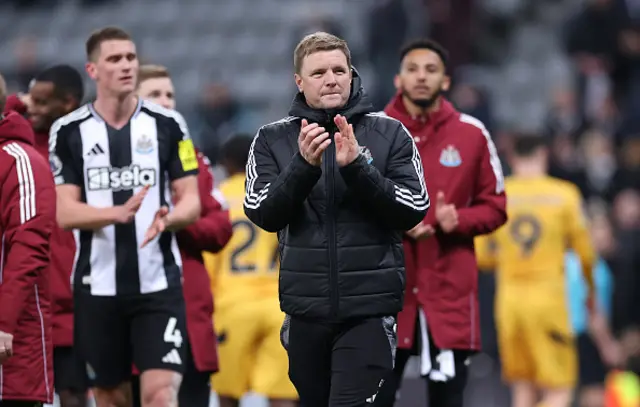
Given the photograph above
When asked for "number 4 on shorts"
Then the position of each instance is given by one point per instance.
(172, 334)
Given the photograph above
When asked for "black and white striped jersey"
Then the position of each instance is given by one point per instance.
(111, 165)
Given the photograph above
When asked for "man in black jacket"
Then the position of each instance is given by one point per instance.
(340, 185)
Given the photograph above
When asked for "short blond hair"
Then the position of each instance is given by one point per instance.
(317, 42)
(151, 71)
(3, 94)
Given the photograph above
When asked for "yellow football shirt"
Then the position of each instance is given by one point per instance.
(246, 269)
(546, 217)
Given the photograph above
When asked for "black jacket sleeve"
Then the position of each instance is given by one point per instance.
(272, 197)
(399, 198)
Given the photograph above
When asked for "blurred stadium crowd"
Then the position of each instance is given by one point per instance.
(568, 70)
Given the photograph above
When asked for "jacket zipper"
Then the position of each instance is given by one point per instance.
(331, 225)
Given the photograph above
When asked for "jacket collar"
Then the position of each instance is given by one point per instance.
(397, 109)
(14, 127)
(358, 104)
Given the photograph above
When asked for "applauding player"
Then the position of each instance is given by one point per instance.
(440, 320)
(211, 232)
(537, 347)
(126, 179)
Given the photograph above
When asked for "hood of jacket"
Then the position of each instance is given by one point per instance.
(357, 104)
(397, 110)
(14, 127)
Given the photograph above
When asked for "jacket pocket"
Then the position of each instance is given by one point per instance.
(284, 332)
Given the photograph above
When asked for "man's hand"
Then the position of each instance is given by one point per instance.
(127, 212)
(312, 142)
(421, 231)
(6, 346)
(347, 148)
(159, 225)
(446, 214)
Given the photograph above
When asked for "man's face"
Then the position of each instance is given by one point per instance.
(46, 107)
(115, 67)
(325, 79)
(422, 77)
(158, 90)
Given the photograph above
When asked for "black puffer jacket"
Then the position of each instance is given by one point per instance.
(340, 229)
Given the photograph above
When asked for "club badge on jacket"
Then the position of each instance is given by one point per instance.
(367, 154)
(450, 157)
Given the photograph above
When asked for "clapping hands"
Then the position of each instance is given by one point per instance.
(347, 148)
(314, 140)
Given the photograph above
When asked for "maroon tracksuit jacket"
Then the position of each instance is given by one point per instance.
(63, 250)
(27, 217)
(459, 159)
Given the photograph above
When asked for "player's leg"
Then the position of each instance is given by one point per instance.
(237, 330)
(101, 335)
(390, 390)
(592, 373)
(514, 345)
(270, 377)
(70, 377)
(555, 354)
(308, 346)
(362, 357)
(448, 377)
(195, 390)
(158, 329)
(523, 394)
(387, 395)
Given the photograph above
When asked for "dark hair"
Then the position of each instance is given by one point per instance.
(67, 81)
(425, 43)
(97, 37)
(235, 152)
(525, 145)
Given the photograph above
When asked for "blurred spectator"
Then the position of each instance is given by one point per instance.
(595, 52)
(630, 163)
(627, 210)
(599, 174)
(26, 64)
(314, 24)
(386, 34)
(604, 239)
(451, 24)
(218, 117)
(627, 279)
(564, 160)
(564, 117)
(473, 101)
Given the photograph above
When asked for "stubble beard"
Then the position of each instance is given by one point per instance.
(424, 103)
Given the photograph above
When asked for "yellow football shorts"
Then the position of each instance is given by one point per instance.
(535, 338)
(251, 357)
